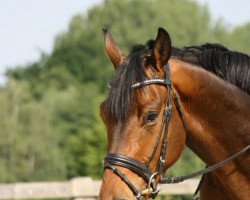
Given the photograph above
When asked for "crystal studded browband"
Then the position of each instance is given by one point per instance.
(148, 82)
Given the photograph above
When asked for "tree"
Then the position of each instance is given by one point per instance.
(239, 38)
(27, 137)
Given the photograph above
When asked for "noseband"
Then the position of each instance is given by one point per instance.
(143, 170)
(112, 159)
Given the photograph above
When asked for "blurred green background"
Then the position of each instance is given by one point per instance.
(49, 110)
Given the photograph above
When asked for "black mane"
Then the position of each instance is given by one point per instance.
(120, 93)
(231, 66)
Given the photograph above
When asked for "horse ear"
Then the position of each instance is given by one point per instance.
(112, 50)
(162, 49)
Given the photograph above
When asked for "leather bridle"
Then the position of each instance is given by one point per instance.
(143, 169)
(112, 159)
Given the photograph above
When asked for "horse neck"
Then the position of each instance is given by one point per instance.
(217, 113)
(217, 117)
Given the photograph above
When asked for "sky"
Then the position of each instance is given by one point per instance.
(29, 27)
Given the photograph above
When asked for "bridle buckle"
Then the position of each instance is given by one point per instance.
(168, 111)
(162, 160)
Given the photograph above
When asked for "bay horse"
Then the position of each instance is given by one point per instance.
(157, 104)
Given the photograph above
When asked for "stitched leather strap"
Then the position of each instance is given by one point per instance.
(129, 163)
(204, 171)
(124, 178)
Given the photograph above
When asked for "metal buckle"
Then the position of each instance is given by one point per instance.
(167, 111)
(162, 160)
(150, 190)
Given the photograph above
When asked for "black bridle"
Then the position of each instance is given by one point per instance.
(143, 169)
(112, 159)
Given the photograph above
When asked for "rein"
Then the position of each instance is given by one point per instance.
(112, 160)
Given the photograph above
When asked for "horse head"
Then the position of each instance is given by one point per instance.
(144, 130)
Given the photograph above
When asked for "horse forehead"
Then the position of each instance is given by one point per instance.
(151, 94)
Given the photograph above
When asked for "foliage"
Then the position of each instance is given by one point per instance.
(27, 137)
(50, 127)
(240, 38)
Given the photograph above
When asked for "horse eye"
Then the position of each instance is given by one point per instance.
(150, 117)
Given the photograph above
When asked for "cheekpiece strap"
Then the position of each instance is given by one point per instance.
(167, 75)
